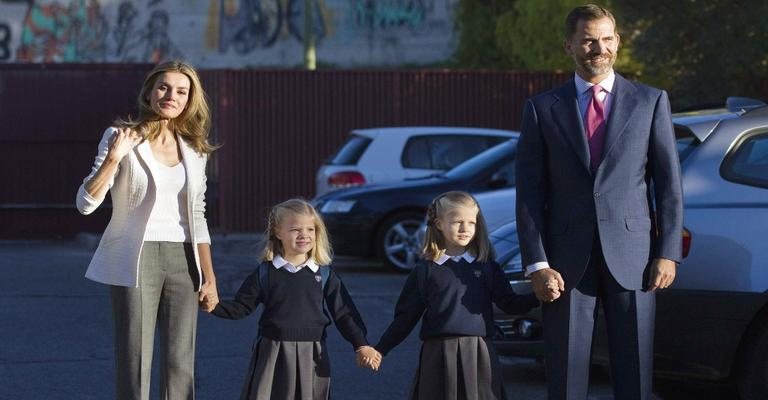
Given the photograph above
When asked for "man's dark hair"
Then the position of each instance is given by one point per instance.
(587, 12)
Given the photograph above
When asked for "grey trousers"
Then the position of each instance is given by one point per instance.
(568, 334)
(166, 300)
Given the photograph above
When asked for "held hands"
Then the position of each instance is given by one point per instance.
(368, 357)
(122, 142)
(662, 274)
(209, 296)
(547, 284)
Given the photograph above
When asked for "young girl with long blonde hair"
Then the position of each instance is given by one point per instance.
(295, 284)
(452, 290)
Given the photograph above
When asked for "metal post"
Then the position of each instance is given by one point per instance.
(310, 56)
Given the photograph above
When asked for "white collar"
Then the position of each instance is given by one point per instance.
(279, 262)
(582, 85)
(444, 257)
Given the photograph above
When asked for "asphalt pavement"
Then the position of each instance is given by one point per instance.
(56, 331)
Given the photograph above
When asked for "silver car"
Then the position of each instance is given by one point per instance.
(712, 323)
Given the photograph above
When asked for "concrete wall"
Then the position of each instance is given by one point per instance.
(226, 33)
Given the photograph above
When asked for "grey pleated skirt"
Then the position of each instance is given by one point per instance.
(283, 370)
(458, 368)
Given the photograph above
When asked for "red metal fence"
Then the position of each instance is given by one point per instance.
(275, 128)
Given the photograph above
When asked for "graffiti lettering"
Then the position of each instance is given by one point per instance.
(125, 31)
(253, 24)
(385, 15)
(5, 42)
(53, 32)
(151, 44)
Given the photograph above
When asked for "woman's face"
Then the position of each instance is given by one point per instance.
(169, 95)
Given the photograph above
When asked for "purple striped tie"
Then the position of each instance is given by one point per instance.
(595, 128)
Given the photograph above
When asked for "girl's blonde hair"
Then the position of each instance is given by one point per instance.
(434, 242)
(321, 252)
(194, 122)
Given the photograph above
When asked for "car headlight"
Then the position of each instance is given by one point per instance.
(337, 206)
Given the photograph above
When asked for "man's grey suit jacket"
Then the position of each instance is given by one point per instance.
(633, 199)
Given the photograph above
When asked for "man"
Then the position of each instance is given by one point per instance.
(599, 211)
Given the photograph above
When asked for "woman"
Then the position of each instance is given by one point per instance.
(155, 253)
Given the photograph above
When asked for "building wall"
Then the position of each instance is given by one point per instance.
(275, 129)
(226, 33)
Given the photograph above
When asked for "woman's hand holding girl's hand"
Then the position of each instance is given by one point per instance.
(209, 296)
(122, 142)
(368, 357)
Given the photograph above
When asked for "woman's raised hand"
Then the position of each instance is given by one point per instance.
(122, 142)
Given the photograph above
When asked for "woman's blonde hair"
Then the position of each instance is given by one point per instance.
(194, 122)
(434, 242)
(321, 252)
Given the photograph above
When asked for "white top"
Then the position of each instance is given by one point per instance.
(169, 219)
(280, 262)
(444, 257)
(116, 260)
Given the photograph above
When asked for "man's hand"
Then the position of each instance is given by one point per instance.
(547, 284)
(367, 356)
(662, 274)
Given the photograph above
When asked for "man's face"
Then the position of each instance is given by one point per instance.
(593, 47)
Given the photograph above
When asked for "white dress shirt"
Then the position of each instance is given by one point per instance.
(279, 262)
(444, 257)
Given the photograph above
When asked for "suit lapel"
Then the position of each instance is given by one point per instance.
(565, 112)
(624, 102)
(189, 158)
(145, 152)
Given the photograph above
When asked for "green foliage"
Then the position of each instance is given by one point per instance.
(701, 51)
(520, 34)
(530, 36)
(476, 22)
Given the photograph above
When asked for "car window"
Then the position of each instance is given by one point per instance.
(747, 163)
(480, 161)
(444, 152)
(505, 174)
(416, 153)
(351, 151)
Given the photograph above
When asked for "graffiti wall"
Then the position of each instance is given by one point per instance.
(226, 33)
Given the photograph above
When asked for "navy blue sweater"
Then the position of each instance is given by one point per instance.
(457, 302)
(294, 308)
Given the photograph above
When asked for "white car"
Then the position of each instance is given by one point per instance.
(383, 155)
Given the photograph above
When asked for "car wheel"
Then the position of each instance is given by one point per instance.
(398, 242)
(753, 367)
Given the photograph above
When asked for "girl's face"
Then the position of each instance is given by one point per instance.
(296, 232)
(169, 94)
(458, 228)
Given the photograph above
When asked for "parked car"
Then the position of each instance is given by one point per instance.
(383, 155)
(384, 220)
(712, 323)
